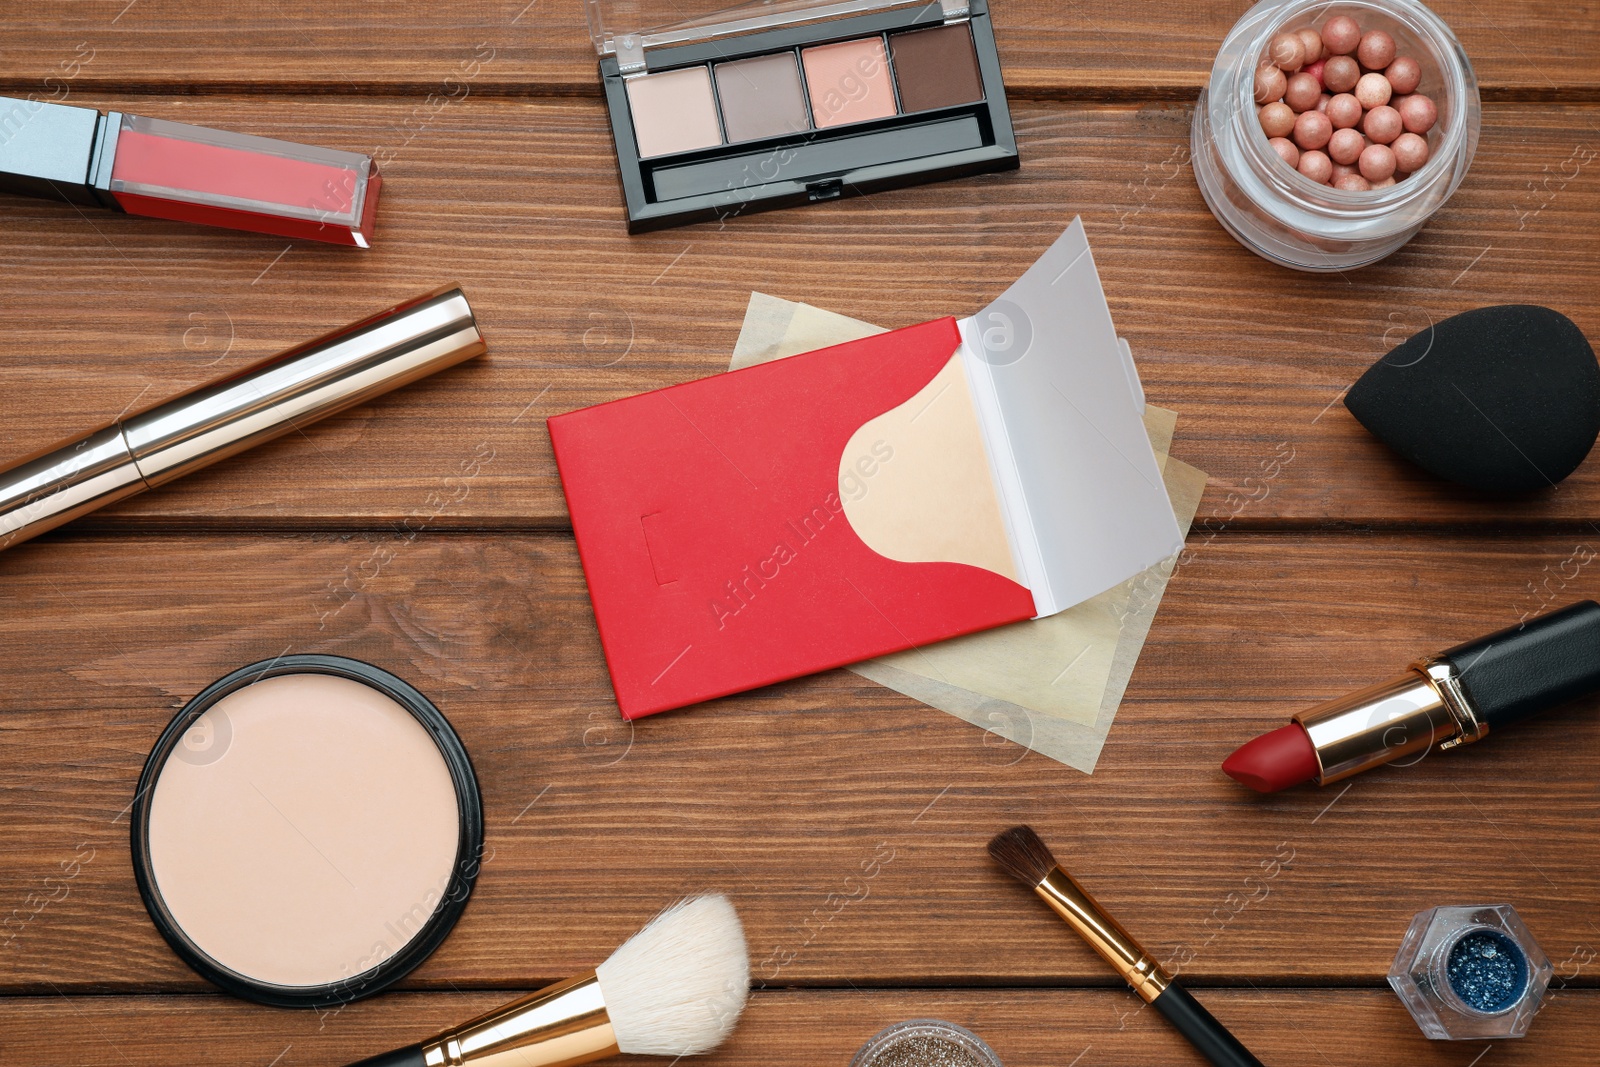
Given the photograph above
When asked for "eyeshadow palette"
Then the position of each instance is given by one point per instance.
(782, 103)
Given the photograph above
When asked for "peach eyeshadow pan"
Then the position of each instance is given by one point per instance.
(849, 82)
(307, 830)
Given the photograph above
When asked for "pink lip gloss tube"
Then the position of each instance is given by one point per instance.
(172, 170)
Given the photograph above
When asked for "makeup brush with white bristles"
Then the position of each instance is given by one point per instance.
(674, 988)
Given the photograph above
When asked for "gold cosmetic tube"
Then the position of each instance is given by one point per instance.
(211, 422)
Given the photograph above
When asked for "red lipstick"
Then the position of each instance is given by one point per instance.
(172, 170)
(1275, 760)
(1451, 699)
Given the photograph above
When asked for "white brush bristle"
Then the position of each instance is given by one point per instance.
(676, 987)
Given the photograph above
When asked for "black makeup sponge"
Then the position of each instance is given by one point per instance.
(1501, 398)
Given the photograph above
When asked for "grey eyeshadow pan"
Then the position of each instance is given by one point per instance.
(762, 97)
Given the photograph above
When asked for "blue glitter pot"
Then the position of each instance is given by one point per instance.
(1469, 973)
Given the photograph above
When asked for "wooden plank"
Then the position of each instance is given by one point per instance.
(1096, 49)
(848, 822)
(1026, 1028)
(518, 201)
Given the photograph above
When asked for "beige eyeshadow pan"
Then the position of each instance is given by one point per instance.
(307, 830)
(674, 111)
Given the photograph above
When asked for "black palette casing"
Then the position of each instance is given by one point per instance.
(729, 180)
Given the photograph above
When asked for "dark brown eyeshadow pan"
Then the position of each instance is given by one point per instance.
(937, 67)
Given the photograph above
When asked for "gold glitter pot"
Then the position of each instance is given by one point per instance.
(926, 1043)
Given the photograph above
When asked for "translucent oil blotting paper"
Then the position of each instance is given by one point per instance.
(1054, 684)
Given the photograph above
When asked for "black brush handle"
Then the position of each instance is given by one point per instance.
(1523, 670)
(410, 1056)
(1207, 1035)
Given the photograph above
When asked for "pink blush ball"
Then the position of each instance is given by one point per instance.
(1404, 75)
(1287, 53)
(1303, 92)
(1322, 103)
(1277, 119)
(1316, 166)
(1373, 90)
(1312, 129)
(1286, 151)
(1270, 83)
(1418, 113)
(1376, 50)
(1382, 124)
(1410, 153)
(1341, 35)
(1352, 183)
(1340, 74)
(1344, 111)
(1345, 146)
(1377, 162)
(1311, 41)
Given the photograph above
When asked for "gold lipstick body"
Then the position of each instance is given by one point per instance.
(1388, 721)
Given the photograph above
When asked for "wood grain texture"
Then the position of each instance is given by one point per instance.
(1026, 1028)
(108, 312)
(847, 822)
(1095, 49)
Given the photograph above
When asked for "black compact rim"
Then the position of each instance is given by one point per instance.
(463, 876)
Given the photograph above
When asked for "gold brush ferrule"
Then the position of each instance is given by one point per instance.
(1104, 934)
(1391, 720)
(560, 1025)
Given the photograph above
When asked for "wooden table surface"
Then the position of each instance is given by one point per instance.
(847, 822)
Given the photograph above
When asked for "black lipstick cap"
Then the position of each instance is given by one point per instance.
(1523, 670)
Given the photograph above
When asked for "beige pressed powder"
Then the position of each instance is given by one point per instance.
(302, 832)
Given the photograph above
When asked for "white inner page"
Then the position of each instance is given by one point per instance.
(1082, 496)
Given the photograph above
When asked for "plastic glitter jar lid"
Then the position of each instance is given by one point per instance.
(925, 1043)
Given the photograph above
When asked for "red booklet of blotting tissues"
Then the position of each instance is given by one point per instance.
(867, 498)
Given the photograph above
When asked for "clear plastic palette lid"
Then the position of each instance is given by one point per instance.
(627, 27)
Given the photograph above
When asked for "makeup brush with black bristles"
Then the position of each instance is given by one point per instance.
(1026, 859)
(674, 988)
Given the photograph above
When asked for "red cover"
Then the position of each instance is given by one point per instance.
(716, 548)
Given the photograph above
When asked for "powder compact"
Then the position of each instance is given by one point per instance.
(717, 113)
(306, 831)
(925, 1043)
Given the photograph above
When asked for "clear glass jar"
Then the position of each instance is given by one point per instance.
(1280, 214)
(917, 1040)
(1470, 972)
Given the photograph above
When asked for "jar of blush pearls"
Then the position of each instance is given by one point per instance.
(1272, 192)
